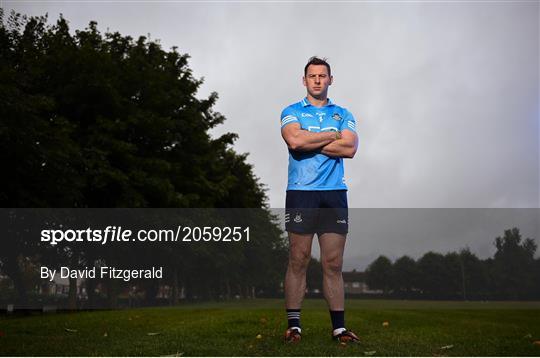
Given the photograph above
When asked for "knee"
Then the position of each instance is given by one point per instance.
(298, 262)
(332, 265)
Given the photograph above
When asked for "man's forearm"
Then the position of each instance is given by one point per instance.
(339, 148)
(306, 141)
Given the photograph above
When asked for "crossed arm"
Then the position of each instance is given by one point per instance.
(327, 142)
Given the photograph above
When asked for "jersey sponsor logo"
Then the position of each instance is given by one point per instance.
(336, 116)
(307, 115)
(298, 218)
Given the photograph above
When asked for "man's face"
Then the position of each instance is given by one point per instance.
(317, 80)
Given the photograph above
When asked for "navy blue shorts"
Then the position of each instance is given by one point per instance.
(316, 211)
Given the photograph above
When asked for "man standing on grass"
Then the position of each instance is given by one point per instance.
(319, 134)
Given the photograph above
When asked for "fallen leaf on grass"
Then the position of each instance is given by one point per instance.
(259, 336)
(105, 334)
(370, 353)
(450, 346)
(536, 343)
(263, 320)
(152, 333)
(528, 335)
(70, 330)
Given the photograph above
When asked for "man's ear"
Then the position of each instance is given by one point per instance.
(331, 80)
(304, 80)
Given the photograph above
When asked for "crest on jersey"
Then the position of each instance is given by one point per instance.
(298, 218)
(336, 116)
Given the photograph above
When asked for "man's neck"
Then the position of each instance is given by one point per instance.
(317, 102)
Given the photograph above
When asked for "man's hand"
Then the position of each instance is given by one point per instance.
(306, 141)
(343, 148)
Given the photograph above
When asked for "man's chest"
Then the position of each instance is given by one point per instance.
(318, 120)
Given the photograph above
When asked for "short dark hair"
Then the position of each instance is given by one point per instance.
(317, 61)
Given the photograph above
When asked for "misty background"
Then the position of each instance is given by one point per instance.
(445, 96)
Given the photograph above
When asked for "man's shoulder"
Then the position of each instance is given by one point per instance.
(342, 111)
(337, 107)
(292, 109)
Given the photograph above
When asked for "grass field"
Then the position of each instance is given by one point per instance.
(255, 328)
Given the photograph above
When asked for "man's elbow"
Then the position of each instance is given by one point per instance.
(350, 152)
(294, 144)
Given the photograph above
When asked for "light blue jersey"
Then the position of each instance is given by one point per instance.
(314, 170)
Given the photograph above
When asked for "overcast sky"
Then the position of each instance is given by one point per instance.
(446, 94)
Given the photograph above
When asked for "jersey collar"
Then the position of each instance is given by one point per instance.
(305, 103)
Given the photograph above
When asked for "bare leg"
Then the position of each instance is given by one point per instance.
(332, 246)
(295, 279)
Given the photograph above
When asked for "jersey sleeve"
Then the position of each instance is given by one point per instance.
(288, 116)
(349, 122)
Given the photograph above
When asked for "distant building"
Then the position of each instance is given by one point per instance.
(354, 283)
(59, 287)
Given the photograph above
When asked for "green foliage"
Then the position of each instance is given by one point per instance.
(405, 275)
(514, 265)
(513, 273)
(103, 120)
(379, 274)
(92, 120)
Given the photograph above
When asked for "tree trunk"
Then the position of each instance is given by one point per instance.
(90, 291)
(228, 289)
(112, 293)
(175, 289)
(12, 269)
(72, 295)
(151, 292)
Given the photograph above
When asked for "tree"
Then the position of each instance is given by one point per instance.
(92, 120)
(432, 272)
(453, 276)
(536, 292)
(513, 265)
(379, 274)
(406, 276)
(475, 276)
